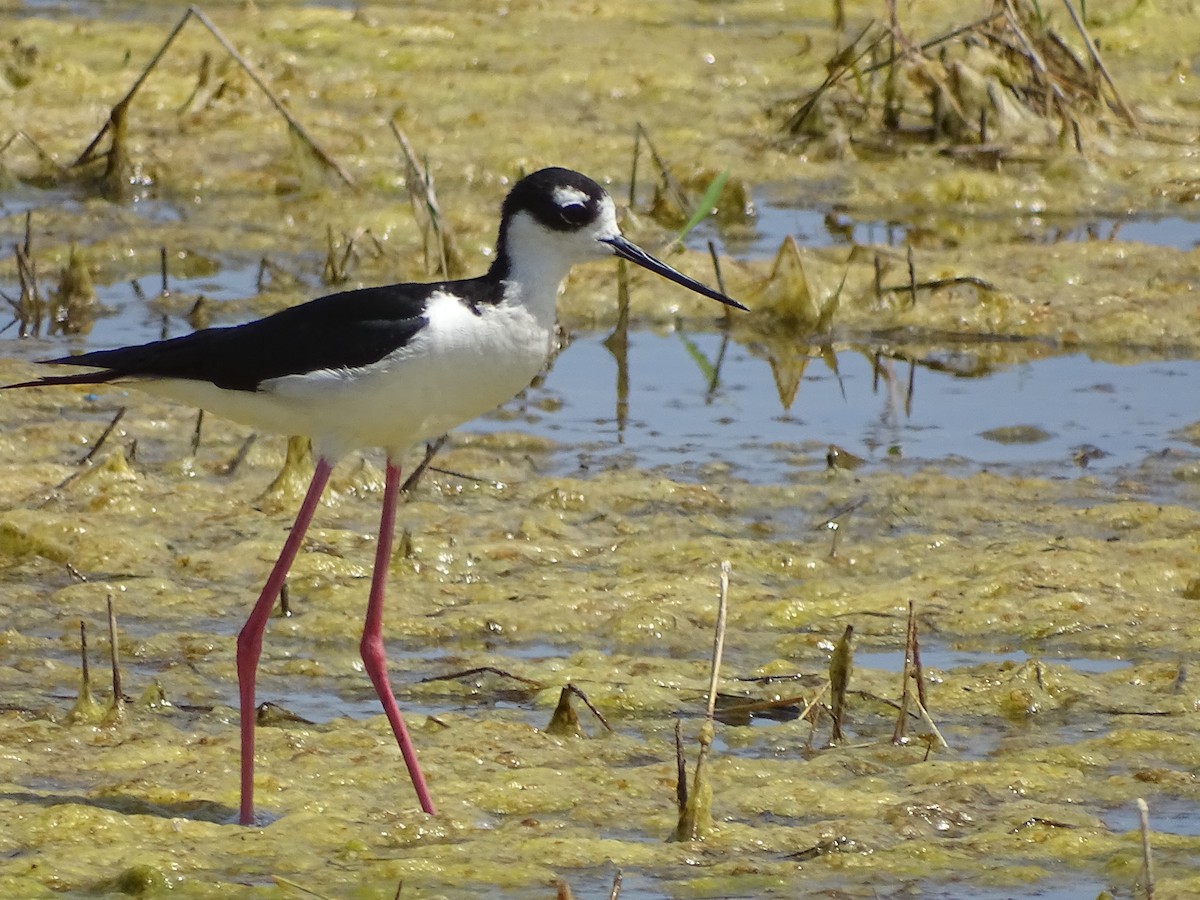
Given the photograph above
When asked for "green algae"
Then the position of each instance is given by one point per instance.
(523, 805)
(614, 574)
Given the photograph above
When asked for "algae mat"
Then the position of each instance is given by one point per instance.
(606, 582)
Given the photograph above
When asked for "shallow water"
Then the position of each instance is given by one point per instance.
(1028, 483)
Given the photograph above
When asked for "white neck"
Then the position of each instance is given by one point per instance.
(537, 266)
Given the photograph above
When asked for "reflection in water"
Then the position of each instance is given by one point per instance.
(813, 221)
(894, 405)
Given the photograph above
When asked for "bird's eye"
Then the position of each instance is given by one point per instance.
(574, 214)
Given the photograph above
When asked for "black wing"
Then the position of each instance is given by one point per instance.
(346, 330)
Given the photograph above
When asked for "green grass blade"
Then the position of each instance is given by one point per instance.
(705, 206)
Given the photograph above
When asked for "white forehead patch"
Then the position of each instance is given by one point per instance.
(569, 196)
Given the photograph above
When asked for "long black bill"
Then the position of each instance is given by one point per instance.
(635, 254)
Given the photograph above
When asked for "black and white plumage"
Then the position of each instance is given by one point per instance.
(384, 367)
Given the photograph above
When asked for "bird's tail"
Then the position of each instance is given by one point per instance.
(100, 376)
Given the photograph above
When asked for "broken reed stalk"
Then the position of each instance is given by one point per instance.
(718, 640)
(419, 177)
(431, 450)
(118, 110)
(29, 305)
(1147, 861)
(590, 705)
(85, 709)
(1037, 63)
(616, 885)
(484, 670)
(104, 436)
(296, 886)
(633, 166)
(716, 261)
(197, 432)
(117, 707)
(681, 788)
(674, 188)
(841, 664)
(913, 650)
(695, 817)
(909, 393)
(83, 660)
(912, 276)
(899, 732)
(1094, 53)
(914, 672)
(41, 152)
(240, 457)
(930, 724)
(564, 721)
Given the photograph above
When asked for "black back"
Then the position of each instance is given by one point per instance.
(347, 330)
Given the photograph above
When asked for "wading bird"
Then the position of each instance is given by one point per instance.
(385, 367)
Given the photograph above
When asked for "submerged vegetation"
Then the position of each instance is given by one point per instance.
(833, 741)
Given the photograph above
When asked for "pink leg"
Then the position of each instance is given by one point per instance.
(372, 637)
(249, 644)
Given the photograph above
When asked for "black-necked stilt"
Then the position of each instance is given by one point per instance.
(385, 367)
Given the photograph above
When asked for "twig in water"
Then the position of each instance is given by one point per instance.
(930, 724)
(296, 886)
(1147, 862)
(841, 663)
(936, 283)
(104, 435)
(431, 450)
(912, 276)
(86, 709)
(86, 675)
(681, 788)
(42, 153)
(481, 670)
(117, 709)
(616, 885)
(696, 817)
(899, 732)
(240, 457)
(588, 703)
(834, 524)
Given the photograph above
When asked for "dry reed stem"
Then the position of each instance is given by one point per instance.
(616, 885)
(1147, 861)
(699, 813)
(431, 450)
(104, 436)
(118, 110)
(484, 670)
(1094, 53)
(418, 176)
(674, 188)
(117, 709)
